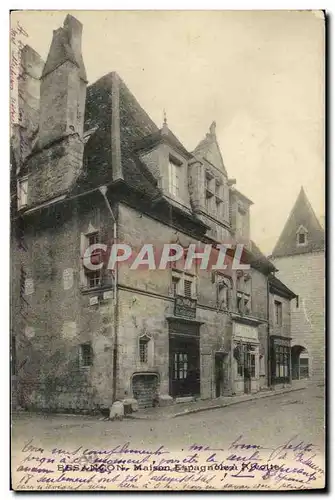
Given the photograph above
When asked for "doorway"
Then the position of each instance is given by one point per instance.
(184, 366)
(300, 362)
(219, 374)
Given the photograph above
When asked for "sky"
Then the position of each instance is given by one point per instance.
(258, 74)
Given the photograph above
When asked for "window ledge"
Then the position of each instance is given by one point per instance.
(86, 290)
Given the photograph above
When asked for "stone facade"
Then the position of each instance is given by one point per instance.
(82, 340)
(305, 274)
(299, 256)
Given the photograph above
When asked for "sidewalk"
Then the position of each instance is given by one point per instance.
(180, 409)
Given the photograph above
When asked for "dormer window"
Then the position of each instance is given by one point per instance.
(174, 182)
(302, 236)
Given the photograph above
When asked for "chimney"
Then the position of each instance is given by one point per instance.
(57, 157)
(63, 85)
(24, 132)
(29, 88)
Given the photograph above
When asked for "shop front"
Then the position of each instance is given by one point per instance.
(280, 360)
(184, 358)
(245, 358)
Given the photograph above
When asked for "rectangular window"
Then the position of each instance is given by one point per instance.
(282, 362)
(279, 313)
(302, 238)
(174, 178)
(93, 238)
(143, 351)
(180, 365)
(86, 354)
(175, 282)
(93, 278)
(22, 193)
(188, 288)
(183, 284)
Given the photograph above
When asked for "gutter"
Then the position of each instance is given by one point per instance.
(103, 191)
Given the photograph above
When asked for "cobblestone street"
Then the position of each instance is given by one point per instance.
(269, 423)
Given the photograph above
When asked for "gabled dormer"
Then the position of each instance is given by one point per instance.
(209, 188)
(167, 159)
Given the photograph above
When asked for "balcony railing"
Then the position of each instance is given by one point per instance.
(185, 307)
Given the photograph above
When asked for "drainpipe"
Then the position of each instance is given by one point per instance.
(103, 191)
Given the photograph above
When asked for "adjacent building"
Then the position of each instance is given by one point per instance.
(299, 255)
(90, 166)
(280, 298)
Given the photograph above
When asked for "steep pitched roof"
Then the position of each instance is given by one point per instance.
(259, 259)
(209, 149)
(302, 216)
(110, 104)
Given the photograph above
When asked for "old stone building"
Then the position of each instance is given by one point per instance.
(299, 256)
(280, 298)
(90, 166)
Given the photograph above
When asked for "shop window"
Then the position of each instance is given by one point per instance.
(239, 356)
(252, 365)
(282, 358)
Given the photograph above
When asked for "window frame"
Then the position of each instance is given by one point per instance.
(93, 279)
(181, 277)
(174, 177)
(86, 359)
(244, 293)
(278, 313)
(143, 343)
(302, 231)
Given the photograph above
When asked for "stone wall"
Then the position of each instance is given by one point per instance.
(58, 317)
(305, 276)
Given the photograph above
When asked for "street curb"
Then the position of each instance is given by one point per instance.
(218, 406)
